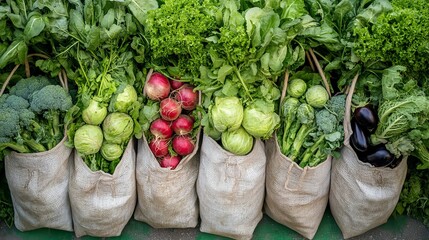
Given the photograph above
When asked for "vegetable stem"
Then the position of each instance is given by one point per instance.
(242, 83)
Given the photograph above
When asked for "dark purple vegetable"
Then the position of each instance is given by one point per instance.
(395, 162)
(366, 117)
(359, 139)
(379, 156)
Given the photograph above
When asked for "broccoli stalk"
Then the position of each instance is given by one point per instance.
(289, 115)
(310, 152)
(14, 146)
(33, 144)
(302, 134)
(299, 130)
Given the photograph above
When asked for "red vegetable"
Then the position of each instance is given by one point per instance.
(159, 147)
(175, 84)
(161, 129)
(182, 125)
(157, 87)
(170, 162)
(183, 145)
(169, 109)
(187, 97)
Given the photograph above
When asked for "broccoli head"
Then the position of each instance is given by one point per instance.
(27, 86)
(52, 101)
(51, 97)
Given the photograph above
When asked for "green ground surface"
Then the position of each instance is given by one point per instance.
(398, 227)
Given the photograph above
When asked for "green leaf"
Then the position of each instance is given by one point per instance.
(224, 71)
(17, 20)
(139, 8)
(16, 51)
(292, 9)
(34, 26)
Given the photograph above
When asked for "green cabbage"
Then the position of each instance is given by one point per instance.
(118, 127)
(227, 113)
(260, 119)
(296, 88)
(95, 113)
(88, 139)
(111, 151)
(123, 99)
(317, 96)
(238, 142)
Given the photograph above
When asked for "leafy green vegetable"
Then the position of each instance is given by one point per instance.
(178, 38)
(398, 37)
(414, 200)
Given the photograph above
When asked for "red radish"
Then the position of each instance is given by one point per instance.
(157, 87)
(169, 109)
(175, 84)
(159, 147)
(183, 145)
(182, 125)
(161, 129)
(187, 97)
(170, 162)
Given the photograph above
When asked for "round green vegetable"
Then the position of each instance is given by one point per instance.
(227, 113)
(118, 127)
(296, 88)
(238, 142)
(260, 120)
(125, 97)
(111, 151)
(317, 96)
(95, 113)
(88, 139)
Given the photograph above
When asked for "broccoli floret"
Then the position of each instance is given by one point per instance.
(27, 86)
(326, 121)
(337, 106)
(16, 102)
(11, 130)
(9, 122)
(52, 101)
(16, 121)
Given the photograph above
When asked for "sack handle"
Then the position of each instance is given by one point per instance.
(61, 75)
(347, 114)
(301, 177)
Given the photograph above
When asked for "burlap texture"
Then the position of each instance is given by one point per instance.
(102, 204)
(38, 185)
(166, 198)
(295, 197)
(230, 190)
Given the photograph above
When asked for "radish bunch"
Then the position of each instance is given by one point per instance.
(170, 134)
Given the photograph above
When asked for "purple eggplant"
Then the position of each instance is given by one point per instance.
(359, 140)
(366, 117)
(379, 156)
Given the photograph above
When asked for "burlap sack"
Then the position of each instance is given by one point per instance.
(38, 185)
(166, 198)
(362, 197)
(295, 197)
(230, 190)
(102, 204)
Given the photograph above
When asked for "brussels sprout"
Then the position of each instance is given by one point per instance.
(237, 142)
(125, 96)
(226, 114)
(260, 120)
(317, 96)
(111, 151)
(88, 139)
(94, 114)
(296, 88)
(118, 127)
